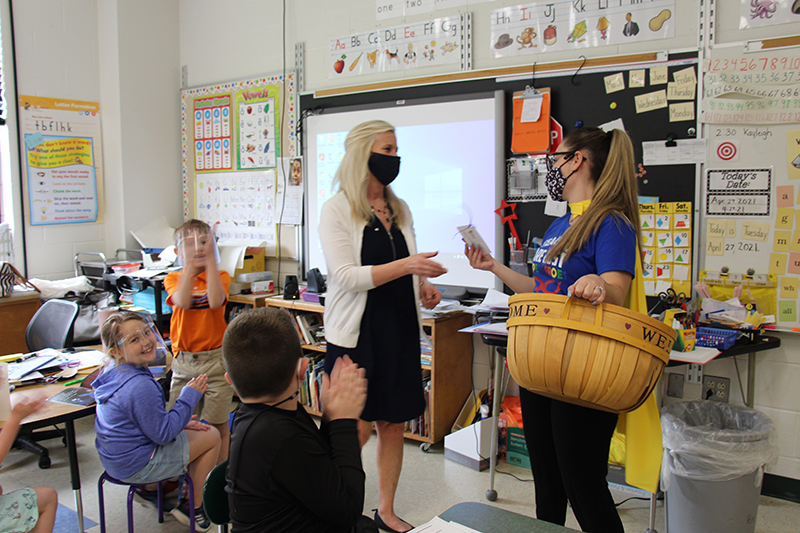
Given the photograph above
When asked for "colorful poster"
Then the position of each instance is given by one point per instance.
(63, 160)
(257, 143)
(757, 13)
(212, 133)
(565, 25)
(421, 44)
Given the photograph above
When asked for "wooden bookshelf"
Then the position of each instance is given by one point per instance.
(450, 368)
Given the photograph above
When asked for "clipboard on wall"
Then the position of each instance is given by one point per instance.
(531, 137)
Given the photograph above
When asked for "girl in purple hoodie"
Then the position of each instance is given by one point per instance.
(138, 440)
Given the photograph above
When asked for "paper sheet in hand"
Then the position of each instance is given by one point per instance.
(473, 238)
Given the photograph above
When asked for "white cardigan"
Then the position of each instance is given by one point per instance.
(348, 281)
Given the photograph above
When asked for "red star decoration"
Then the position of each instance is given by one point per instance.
(509, 219)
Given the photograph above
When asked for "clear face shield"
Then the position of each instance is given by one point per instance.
(142, 343)
(194, 244)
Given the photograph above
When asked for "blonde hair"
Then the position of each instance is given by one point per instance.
(109, 332)
(612, 166)
(353, 173)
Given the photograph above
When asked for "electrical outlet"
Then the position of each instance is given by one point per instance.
(675, 384)
(716, 389)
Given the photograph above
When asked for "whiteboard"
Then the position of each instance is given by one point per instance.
(749, 209)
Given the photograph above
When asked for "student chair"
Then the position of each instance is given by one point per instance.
(215, 499)
(50, 327)
(131, 487)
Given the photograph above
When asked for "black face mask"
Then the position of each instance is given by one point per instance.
(384, 167)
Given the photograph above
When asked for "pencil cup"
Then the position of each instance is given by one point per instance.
(517, 262)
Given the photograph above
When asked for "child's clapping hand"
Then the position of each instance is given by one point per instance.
(344, 393)
(200, 383)
(26, 406)
(196, 425)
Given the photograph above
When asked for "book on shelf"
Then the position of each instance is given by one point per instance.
(312, 327)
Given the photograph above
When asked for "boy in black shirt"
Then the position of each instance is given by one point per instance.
(284, 473)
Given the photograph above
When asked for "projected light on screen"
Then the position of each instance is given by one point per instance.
(448, 177)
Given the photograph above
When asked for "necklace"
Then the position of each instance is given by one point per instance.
(385, 213)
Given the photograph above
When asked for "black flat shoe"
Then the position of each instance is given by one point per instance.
(382, 525)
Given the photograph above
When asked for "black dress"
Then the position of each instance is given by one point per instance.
(388, 342)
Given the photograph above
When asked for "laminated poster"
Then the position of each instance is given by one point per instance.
(63, 160)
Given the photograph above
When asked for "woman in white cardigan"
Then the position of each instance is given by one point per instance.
(376, 280)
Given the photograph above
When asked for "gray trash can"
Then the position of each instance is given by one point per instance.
(714, 457)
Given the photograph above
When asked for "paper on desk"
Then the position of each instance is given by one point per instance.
(495, 299)
(437, 525)
(699, 356)
(16, 371)
(231, 254)
(157, 234)
(88, 358)
(493, 328)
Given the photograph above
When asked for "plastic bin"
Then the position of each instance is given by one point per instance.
(714, 458)
(721, 339)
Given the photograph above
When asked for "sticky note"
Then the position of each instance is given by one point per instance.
(685, 76)
(777, 264)
(663, 271)
(647, 221)
(715, 246)
(716, 227)
(795, 246)
(663, 238)
(793, 266)
(789, 286)
(731, 229)
(33, 140)
(680, 272)
(787, 311)
(784, 218)
(650, 101)
(784, 195)
(681, 112)
(755, 231)
(648, 238)
(663, 221)
(792, 143)
(648, 256)
(636, 78)
(614, 83)
(665, 255)
(648, 271)
(658, 75)
(782, 241)
(680, 91)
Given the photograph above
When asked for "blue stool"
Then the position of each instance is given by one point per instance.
(106, 477)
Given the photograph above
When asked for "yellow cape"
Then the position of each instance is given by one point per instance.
(642, 426)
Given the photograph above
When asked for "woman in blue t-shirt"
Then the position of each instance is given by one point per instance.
(588, 253)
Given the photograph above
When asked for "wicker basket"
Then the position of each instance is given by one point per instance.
(604, 356)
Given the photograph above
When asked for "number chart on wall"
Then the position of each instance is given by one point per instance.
(234, 136)
(751, 185)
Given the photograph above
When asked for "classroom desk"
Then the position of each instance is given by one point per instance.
(57, 413)
(488, 519)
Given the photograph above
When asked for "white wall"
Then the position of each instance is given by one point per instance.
(124, 54)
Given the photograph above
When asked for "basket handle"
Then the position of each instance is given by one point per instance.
(598, 316)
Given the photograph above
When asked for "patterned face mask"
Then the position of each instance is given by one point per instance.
(554, 180)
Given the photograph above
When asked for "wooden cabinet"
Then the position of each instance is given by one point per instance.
(450, 368)
(16, 311)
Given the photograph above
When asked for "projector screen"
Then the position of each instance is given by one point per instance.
(452, 173)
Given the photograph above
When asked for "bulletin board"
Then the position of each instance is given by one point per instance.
(750, 205)
(237, 139)
(580, 98)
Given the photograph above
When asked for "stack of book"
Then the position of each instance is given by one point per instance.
(310, 388)
(311, 328)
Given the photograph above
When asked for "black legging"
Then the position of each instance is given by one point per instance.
(568, 447)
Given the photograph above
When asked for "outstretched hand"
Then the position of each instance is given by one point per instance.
(27, 405)
(344, 392)
(421, 265)
(196, 425)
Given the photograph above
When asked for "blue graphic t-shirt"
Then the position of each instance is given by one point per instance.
(610, 248)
